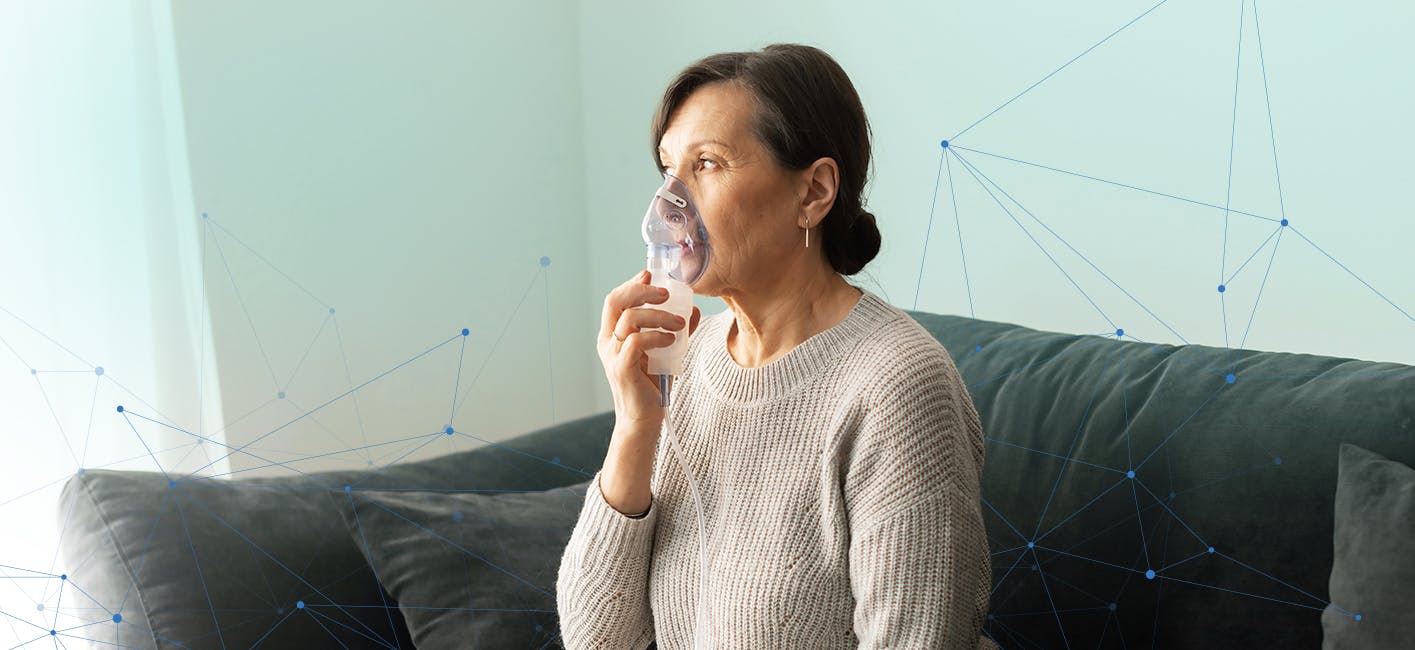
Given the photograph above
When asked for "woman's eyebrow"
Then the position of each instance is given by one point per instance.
(703, 142)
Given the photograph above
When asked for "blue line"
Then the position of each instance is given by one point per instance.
(1077, 252)
(1270, 577)
(326, 630)
(1228, 283)
(1079, 510)
(1140, 520)
(1267, 101)
(496, 344)
(1004, 519)
(321, 406)
(1343, 267)
(1174, 514)
(1047, 453)
(1080, 428)
(305, 458)
(144, 445)
(272, 628)
(349, 377)
(1240, 593)
(242, 301)
(1232, 138)
(216, 442)
(1118, 184)
(457, 386)
(1050, 601)
(928, 231)
(200, 576)
(1053, 72)
(962, 256)
(1261, 286)
(331, 619)
(368, 552)
(1014, 219)
(430, 439)
(262, 258)
(1178, 428)
(323, 324)
(550, 358)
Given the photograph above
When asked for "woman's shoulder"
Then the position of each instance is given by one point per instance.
(900, 356)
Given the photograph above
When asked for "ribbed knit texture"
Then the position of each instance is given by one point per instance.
(840, 489)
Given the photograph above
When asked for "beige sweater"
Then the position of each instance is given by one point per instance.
(840, 492)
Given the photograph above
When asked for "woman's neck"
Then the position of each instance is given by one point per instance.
(771, 322)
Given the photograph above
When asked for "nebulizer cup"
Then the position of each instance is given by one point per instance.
(678, 255)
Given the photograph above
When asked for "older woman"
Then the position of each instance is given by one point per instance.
(835, 448)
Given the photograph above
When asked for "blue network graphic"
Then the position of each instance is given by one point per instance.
(64, 614)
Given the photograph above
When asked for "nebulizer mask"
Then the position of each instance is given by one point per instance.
(678, 254)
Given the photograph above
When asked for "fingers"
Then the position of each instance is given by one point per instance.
(693, 325)
(636, 345)
(633, 320)
(634, 292)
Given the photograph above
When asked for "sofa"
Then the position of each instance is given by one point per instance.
(1135, 495)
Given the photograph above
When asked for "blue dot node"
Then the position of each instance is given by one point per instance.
(1130, 474)
(544, 261)
(554, 460)
(1112, 607)
(1284, 223)
(171, 484)
(53, 633)
(98, 371)
(1277, 461)
(1171, 495)
(539, 627)
(1036, 568)
(466, 331)
(280, 394)
(300, 604)
(1211, 549)
(456, 516)
(1221, 288)
(64, 576)
(203, 215)
(32, 371)
(990, 617)
(943, 143)
(39, 607)
(448, 430)
(1120, 332)
(977, 348)
(81, 471)
(117, 618)
(1358, 617)
(1150, 575)
(1230, 378)
(348, 488)
(120, 409)
(1031, 544)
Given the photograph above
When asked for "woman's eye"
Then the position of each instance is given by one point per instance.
(706, 160)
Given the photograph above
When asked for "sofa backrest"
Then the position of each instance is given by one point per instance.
(1245, 464)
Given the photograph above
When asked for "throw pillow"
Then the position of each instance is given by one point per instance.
(1373, 573)
(469, 570)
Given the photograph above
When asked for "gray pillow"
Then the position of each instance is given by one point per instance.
(1373, 572)
(469, 569)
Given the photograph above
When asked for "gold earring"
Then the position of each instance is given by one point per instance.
(808, 236)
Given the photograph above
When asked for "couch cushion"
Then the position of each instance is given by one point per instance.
(1248, 468)
(1373, 576)
(469, 569)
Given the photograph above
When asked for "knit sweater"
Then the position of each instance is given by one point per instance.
(840, 494)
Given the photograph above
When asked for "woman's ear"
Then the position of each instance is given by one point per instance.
(821, 179)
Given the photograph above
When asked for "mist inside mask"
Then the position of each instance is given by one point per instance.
(676, 237)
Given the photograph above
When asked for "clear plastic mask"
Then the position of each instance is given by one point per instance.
(674, 232)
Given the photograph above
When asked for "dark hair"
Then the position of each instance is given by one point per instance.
(806, 109)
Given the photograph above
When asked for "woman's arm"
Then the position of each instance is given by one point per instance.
(920, 570)
(602, 588)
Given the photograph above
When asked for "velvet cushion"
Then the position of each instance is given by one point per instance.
(469, 569)
(1373, 574)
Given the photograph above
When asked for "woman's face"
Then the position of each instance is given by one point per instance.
(748, 202)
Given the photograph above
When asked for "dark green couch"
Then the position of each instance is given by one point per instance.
(1247, 467)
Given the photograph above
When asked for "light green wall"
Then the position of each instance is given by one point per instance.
(409, 164)
(1152, 107)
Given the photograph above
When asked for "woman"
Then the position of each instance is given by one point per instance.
(835, 447)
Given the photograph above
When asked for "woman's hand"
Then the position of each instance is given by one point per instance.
(623, 349)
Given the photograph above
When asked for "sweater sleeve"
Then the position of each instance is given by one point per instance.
(601, 591)
(920, 570)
